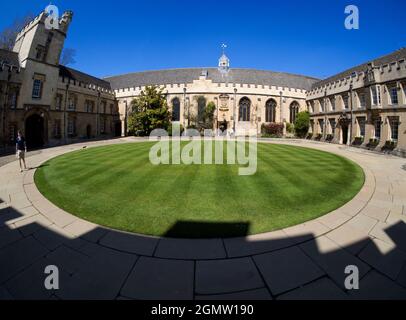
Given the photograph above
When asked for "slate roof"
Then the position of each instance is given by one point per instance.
(9, 57)
(187, 75)
(83, 77)
(392, 57)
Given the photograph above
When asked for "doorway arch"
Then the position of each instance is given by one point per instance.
(35, 131)
(88, 131)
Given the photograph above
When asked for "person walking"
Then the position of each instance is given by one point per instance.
(21, 150)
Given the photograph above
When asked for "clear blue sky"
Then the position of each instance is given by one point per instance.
(303, 37)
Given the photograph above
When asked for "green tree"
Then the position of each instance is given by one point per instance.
(302, 124)
(209, 115)
(149, 111)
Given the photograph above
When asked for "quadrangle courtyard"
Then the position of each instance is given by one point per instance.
(302, 261)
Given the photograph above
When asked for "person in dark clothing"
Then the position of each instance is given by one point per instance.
(21, 149)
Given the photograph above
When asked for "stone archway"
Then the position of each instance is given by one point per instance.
(35, 131)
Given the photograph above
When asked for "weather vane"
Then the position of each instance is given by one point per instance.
(223, 46)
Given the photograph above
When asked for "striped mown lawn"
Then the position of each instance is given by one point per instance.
(118, 187)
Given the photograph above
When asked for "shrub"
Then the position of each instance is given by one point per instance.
(373, 143)
(302, 124)
(389, 145)
(318, 137)
(290, 128)
(274, 130)
(170, 130)
(358, 141)
(329, 137)
(309, 136)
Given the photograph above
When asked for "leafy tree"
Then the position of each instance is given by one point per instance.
(149, 111)
(209, 115)
(9, 34)
(302, 124)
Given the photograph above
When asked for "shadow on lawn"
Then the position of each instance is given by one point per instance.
(107, 264)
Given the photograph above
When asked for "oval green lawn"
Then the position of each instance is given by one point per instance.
(116, 186)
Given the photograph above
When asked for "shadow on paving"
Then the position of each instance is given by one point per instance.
(195, 229)
(107, 264)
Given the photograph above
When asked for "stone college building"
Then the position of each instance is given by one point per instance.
(52, 104)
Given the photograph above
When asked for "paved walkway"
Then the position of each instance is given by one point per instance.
(301, 262)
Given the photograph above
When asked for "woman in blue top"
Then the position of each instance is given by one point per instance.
(21, 149)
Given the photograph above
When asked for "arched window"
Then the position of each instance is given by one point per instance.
(201, 107)
(270, 111)
(245, 109)
(175, 109)
(294, 110)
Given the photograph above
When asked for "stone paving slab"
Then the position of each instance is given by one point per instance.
(29, 284)
(160, 279)
(226, 276)
(363, 223)
(332, 259)
(15, 257)
(68, 259)
(376, 212)
(30, 225)
(191, 249)
(322, 289)
(306, 231)
(129, 242)
(53, 236)
(100, 278)
(256, 244)
(393, 233)
(350, 237)
(375, 286)
(8, 236)
(384, 257)
(281, 274)
(334, 219)
(88, 231)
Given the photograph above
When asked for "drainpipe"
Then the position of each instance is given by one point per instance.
(65, 124)
(97, 114)
(125, 133)
(234, 110)
(184, 106)
(325, 115)
(352, 114)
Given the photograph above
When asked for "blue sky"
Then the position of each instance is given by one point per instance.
(303, 37)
